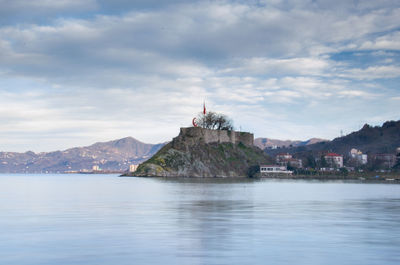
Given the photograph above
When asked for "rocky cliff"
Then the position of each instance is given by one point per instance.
(198, 152)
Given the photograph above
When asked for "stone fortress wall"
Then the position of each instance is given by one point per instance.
(194, 135)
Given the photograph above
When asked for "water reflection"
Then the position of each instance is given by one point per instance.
(104, 219)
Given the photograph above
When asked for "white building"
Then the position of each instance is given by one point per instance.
(285, 159)
(359, 156)
(283, 156)
(334, 160)
(398, 154)
(132, 168)
(297, 163)
(386, 160)
(95, 168)
(274, 169)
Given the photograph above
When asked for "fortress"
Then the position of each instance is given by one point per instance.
(194, 135)
(199, 152)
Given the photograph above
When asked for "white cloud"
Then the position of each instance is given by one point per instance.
(372, 72)
(146, 71)
(387, 42)
(198, 34)
(356, 93)
(290, 66)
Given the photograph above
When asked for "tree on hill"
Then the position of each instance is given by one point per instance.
(310, 161)
(323, 162)
(214, 121)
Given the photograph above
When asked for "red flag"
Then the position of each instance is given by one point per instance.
(204, 108)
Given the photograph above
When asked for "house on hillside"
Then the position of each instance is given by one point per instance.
(357, 155)
(283, 156)
(294, 162)
(334, 160)
(398, 155)
(385, 160)
(286, 159)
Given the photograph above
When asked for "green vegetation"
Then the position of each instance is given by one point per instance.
(205, 160)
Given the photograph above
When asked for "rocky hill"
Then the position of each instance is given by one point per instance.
(115, 155)
(272, 143)
(369, 139)
(199, 152)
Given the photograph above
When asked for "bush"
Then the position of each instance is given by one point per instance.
(252, 171)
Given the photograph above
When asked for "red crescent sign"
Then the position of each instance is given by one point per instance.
(194, 122)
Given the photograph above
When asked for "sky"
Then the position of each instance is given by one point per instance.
(75, 72)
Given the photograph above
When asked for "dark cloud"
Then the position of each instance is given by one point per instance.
(177, 39)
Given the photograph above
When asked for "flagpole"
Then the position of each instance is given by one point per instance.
(204, 114)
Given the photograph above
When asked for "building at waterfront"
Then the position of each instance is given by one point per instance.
(132, 168)
(334, 160)
(274, 169)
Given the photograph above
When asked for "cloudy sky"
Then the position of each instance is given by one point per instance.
(74, 72)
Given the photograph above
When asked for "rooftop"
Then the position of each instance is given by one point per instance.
(332, 154)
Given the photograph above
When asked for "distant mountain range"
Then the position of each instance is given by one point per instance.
(273, 143)
(115, 155)
(369, 139)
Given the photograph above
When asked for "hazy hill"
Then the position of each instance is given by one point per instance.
(269, 143)
(378, 139)
(112, 155)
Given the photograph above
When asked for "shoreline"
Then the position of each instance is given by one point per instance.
(395, 179)
(386, 179)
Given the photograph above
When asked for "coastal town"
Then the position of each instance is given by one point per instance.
(330, 162)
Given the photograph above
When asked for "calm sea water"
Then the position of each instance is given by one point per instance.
(104, 219)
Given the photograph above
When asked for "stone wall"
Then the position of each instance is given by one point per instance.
(193, 135)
